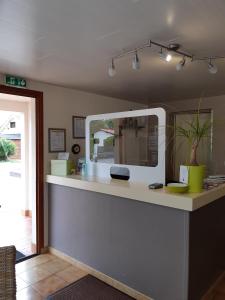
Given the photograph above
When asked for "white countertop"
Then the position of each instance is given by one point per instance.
(139, 192)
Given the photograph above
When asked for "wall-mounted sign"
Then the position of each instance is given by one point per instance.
(78, 127)
(56, 140)
(15, 81)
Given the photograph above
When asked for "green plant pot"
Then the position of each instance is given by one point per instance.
(195, 178)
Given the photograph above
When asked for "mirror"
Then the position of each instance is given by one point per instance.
(127, 140)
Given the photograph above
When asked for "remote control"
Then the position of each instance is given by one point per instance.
(155, 186)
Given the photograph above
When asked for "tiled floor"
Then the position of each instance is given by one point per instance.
(218, 292)
(41, 276)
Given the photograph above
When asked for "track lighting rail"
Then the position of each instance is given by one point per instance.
(165, 53)
(208, 57)
(149, 45)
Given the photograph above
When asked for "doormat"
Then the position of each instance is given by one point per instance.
(19, 255)
(89, 288)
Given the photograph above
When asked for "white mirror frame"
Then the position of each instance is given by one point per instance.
(137, 173)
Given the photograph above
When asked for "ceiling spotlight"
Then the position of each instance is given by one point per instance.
(181, 64)
(136, 62)
(174, 47)
(112, 69)
(166, 56)
(212, 68)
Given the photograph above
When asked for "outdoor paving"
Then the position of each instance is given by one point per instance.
(15, 229)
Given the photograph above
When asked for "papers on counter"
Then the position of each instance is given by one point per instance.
(213, 181)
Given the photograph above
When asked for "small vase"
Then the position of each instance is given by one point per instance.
(193, 176)
(196, 175)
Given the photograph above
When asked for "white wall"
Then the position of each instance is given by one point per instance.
(60, 104)
(217, 104)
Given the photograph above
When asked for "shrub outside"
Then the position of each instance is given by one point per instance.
(7, 149)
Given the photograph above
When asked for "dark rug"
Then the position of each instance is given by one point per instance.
(89, 288)
(19, 255)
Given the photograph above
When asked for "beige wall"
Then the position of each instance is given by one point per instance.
(60, 104)
(217, 104)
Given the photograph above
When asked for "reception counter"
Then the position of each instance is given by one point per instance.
(162, 245)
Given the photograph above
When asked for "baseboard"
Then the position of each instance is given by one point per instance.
(114, 283)
(45, 250)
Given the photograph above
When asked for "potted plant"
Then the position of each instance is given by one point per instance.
(194, 132)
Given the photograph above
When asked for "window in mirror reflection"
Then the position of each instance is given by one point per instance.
(128, 141)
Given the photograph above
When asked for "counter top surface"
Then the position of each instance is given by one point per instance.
(139, 191)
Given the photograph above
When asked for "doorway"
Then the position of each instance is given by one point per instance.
(17, 174)
(21, 170)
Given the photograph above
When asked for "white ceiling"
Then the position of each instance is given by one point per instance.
(70, 43)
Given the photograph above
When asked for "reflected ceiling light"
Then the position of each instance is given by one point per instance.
(136, 62)
(181, 64)
(112, 69)
(166, 56)
(212, 68)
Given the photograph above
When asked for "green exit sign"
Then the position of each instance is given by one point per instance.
(15, 81)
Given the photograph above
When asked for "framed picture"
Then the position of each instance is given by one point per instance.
(78, 124)
(56, 140)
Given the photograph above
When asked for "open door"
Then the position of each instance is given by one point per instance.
(21, 170)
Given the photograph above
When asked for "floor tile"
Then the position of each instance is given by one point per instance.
(49, 285)
(23, 266)
(30, 263)
(54, 266)
(71, 274)
(21, 284)
(28, 294)
(40, 259)
(34, 275)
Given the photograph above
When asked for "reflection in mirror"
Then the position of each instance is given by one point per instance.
(128, 141)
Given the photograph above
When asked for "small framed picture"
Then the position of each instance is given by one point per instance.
(78, 124)
(56, 140)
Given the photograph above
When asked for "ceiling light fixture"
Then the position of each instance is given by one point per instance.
(166, 54)
(181, 64)
(136, 62)
(168, 57)
(212, 68)
(112, 69)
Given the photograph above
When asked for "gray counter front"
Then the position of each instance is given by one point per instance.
(165, 253)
